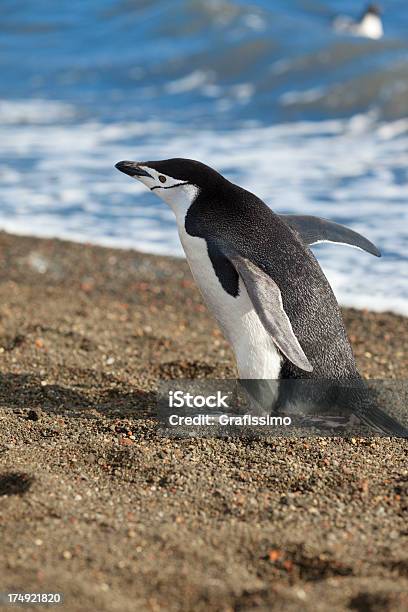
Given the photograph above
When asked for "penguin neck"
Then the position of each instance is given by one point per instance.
(180, 200)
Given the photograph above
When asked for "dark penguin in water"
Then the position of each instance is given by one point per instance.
(258, 277)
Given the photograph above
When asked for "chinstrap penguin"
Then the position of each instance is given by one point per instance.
(369, 25)
(259, 278)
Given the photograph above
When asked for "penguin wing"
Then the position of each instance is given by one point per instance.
(266, 298)
(313, 230)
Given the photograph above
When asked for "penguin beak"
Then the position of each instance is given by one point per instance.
(132, 168)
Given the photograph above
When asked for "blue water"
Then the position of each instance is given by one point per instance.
(266, 92)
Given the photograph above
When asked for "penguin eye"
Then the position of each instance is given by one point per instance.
(162, 178)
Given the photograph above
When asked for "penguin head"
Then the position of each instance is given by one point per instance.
(176, 181)
(373, 9)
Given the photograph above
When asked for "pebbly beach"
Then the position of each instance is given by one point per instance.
(97, 505)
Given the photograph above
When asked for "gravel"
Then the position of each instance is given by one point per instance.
(95, 503)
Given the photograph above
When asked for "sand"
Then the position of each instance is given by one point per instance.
(95, 504)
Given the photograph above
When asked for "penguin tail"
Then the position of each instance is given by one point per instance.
(382, 422)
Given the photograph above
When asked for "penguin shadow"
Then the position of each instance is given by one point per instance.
(23, 394)
(15, 483)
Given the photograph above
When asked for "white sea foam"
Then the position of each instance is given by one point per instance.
(192, 81)
(58, 179)
(34, 111)
(296, 97)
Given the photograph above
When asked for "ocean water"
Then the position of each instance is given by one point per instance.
(311, 121)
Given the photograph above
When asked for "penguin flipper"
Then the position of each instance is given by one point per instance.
(266, 298)
(313, 230)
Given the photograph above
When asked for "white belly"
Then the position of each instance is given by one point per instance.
(255, 351)
(371, 27)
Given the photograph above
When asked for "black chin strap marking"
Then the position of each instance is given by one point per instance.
(170, 186)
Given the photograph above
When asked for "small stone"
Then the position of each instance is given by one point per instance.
(364, 486)
(274, 555)
(301, 594)
(34, 415)
(125, 442)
